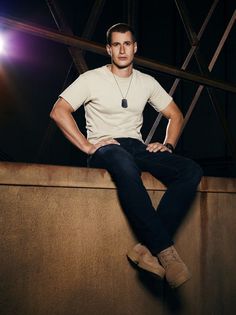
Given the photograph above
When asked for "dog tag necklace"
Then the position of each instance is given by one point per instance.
(124, 102)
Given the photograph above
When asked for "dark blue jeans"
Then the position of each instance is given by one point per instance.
(125, 162)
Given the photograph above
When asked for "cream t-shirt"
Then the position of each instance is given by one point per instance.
(98, 91)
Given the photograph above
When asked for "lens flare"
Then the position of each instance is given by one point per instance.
(2, 45)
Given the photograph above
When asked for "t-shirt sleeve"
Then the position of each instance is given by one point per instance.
(159, 98)
(77, 93)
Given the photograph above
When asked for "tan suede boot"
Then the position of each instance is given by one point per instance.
(177, 272)
(143, 259)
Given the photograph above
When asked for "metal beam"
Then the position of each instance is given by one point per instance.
(63, 26)
(183, 67)
(93, 18)
(210, 67)
(77, 55)
(91, 46)
(205, 71)
(130, 13)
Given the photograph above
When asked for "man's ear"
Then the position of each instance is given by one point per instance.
(135, 47)
(108, 48)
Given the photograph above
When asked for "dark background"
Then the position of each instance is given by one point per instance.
(36, 70)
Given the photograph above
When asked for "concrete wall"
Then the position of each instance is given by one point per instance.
(64, 240)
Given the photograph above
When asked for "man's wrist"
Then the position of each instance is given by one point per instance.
(169, 146)
(87, 148)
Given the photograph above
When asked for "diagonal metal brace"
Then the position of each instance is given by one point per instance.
(210, 67)
(205, 71)
(183, 67)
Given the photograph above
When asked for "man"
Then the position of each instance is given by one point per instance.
(114, 97)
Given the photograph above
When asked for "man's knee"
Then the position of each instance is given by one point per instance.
(193, 171)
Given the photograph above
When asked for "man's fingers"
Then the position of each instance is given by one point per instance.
(156, 146)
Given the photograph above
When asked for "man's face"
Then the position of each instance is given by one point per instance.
(122, 49)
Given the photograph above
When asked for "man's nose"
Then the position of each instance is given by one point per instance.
(122, 49)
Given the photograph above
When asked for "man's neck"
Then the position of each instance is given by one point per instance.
(121, 72)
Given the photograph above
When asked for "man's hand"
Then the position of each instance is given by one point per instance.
(93, 147)
(156, 146)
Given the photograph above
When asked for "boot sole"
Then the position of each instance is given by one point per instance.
(179, 281)
(134, 259)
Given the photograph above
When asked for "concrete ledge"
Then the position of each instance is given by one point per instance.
(62, 176)
(64, 238)
(65, 176)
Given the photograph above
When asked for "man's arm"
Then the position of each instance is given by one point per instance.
(175, 117)
(62, 115)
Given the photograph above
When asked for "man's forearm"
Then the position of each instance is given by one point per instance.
(173, 130)
(68, 126)
(62, 115)
(174, 127)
